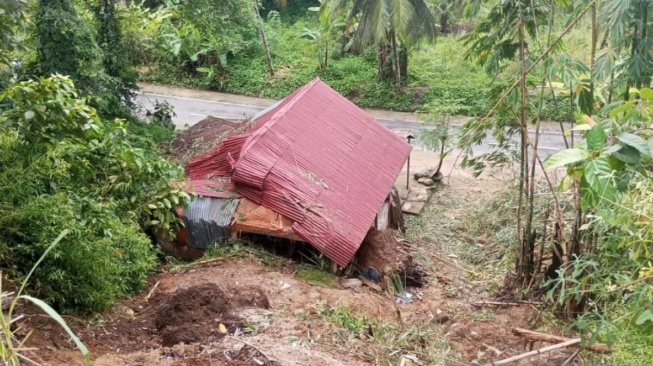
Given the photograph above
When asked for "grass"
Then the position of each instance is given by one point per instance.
(482, 239)
(385, 343)
(239, 250)
(316, 276)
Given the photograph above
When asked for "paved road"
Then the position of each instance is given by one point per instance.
(190, 111)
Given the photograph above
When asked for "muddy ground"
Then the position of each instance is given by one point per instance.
(238, 311)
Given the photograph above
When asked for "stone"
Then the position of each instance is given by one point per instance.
(421, 180)
(441, 319)
(424, 173)
(351, 283)
(427, 182)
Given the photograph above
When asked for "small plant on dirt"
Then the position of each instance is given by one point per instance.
(451, 291)
(484, 315)
(398, 285)
(11, 349)
(229, 249)
(438, 139)
(162, 114)
(316, 260)
(252, 329)
(344, 317)
(392, 340)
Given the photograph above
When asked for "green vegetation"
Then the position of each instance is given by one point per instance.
(387, 342)
(11, 347)
(591, 224)
(67, 166)
(75, 157)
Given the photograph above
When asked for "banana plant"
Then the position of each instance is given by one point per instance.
(325, 35)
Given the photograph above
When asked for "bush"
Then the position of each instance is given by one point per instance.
(61, 167)
(100, 261)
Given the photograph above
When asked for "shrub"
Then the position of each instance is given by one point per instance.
(100, 261)
(61, 167)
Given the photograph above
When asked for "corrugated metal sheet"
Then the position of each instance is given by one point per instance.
(208, 220)
(320, 161)
(220, 187)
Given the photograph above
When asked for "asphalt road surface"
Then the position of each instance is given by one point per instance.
(189, 111)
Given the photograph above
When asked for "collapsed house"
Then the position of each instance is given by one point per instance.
(313, 168)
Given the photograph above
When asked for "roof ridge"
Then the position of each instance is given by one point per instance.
(278, 114)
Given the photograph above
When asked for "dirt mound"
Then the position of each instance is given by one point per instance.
(389, 253)
(188, 315)
(195, 314)
(248, 297)
(203, 136)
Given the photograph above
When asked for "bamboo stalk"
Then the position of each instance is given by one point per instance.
(536, 352)
(550, 338)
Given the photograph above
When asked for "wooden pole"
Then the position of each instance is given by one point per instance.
(550, 338)
(536, 352)
(408, 173)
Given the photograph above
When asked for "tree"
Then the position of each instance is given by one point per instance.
(264, 38)
(446, 10)
(66, 45)
(12, 19)
(391, 25)
(510, 32)
(118, 60)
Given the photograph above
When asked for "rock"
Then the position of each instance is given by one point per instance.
(424, 173)
(441, 319)
(421, 180)
(372, 285)
(351, 283)
(437, 177)
(427, 182)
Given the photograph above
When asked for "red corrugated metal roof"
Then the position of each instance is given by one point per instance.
(317, 159)
(221, 187)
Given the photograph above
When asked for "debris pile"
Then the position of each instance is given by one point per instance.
(387, 253)
(199, 313)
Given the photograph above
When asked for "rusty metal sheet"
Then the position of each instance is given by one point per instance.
(250, 217)
(208, 219)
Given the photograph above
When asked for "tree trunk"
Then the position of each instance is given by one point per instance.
(264, 39)
(633, 50)
(444, 22)
(403, 65)
(384, 72)
(396, 57)
(525, 260)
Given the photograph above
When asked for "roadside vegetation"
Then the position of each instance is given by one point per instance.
(574, 232)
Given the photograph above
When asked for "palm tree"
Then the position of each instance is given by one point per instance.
(394, 23)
